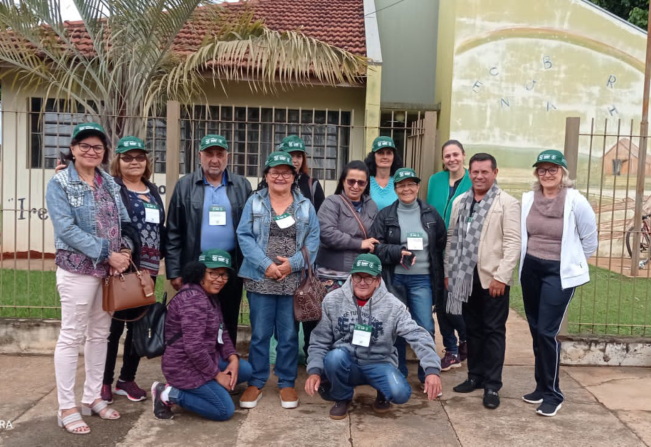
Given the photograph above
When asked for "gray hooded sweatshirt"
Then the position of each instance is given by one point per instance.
(389, 318)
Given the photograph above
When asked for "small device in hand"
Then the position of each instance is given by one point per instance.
(62, 158)
(406, 261)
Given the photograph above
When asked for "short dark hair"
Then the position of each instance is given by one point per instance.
(372, 167)
(193, 273)
(482, 156)
(357, 165)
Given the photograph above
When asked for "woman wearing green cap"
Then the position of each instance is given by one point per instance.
(132, 169)
(383, 161)
(309, 187)
(412, 238)
(559, 234)
(200, 362)
(94, 238)
(277, 222)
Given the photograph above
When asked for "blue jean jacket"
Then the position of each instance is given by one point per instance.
(71, 205)
(253, 234)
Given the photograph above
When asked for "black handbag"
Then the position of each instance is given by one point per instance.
(149, 331)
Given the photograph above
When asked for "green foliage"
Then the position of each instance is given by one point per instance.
(635, 11)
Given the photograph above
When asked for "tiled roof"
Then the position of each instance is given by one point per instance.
(336, 22)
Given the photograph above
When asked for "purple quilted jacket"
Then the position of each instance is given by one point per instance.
(193, 359)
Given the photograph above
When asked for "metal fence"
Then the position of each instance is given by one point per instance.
(605, 156)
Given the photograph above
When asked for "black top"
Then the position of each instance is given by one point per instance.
(316, 195)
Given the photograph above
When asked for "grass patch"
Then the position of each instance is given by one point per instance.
(610, 304)
(33, 294)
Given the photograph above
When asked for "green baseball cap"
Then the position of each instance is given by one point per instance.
(383, 142)
(88, 127)
(129, 143)
(213, 141)
(367, 263)
(292, 143)
(278, 159)
(551, 156)
(405, 174)
(216, 258)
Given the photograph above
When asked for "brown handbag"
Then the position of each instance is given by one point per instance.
(309, 294)
(127, 291)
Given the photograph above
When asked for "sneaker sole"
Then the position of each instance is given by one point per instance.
(153, 402)
(529, 401)
(550, 414)
(288, 405)
(381, 410)
(338, 418)
(131, 398)
(250, 404)
(454, 365)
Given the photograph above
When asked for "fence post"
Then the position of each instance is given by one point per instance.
(173, 152)
(571, 150)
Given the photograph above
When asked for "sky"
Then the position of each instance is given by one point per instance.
(69, 12)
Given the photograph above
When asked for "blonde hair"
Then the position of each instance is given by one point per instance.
(115, 171)
(566, 182)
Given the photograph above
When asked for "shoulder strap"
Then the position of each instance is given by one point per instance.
(355, 214)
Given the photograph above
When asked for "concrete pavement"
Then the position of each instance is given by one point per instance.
(605, 406)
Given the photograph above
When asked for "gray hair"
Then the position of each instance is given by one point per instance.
(566, 182)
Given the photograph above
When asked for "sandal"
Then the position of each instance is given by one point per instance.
(97, 409)
(72, 423)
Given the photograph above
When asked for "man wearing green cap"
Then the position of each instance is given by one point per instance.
(411, 236)
(482, 251)
(353, 344)
(203, 214)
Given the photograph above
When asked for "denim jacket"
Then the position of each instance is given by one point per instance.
(253, 234)
(71, 206)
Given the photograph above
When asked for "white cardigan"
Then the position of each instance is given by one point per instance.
(579, 239)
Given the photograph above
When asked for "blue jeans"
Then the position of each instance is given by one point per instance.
(448, 323)
(273, 314)
(211, 400)
(344, 374)
(419, 303)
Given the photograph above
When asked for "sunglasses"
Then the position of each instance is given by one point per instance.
(351, 182)
(129, 158)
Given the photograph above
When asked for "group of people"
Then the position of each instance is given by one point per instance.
(386, 258)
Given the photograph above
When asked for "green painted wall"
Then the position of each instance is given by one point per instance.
(408, 32)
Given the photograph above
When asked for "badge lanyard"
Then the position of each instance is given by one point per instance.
(362, 332)
(414, 241)
(284, 220)
(217, 215)
(152, 213)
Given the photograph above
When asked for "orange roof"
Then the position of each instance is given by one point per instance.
(625, 149)
(336, 22)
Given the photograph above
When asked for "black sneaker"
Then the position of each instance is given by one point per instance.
(468, 386)
(161, 409)
(547, 409)
(381, 404)
(339, 410)
(491, 399)
(533, 398)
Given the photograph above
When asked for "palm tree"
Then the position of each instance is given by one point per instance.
(123, 61)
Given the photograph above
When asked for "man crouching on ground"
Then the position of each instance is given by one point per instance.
(353, 344)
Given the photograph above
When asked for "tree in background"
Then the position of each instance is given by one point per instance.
(635, 11)
(125, 62)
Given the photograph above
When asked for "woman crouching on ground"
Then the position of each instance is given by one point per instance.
(200, 363)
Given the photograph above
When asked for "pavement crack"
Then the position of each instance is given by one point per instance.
(456, 435)
(350, 430)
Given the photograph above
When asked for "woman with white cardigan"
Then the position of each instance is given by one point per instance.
(559, 234)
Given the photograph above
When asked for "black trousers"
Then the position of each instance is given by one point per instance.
(485, 319)
(230, 300)
(545, 303)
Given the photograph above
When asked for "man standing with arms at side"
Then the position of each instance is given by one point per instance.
(203, 215)
(481, 255)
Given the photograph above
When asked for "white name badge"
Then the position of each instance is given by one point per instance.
(217, 215)
(284, 220)
(362, 335)
(220, 334)
(414, 241)
(152, 214)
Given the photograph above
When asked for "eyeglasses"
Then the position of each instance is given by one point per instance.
(86, 147)
(129, 158)
(406, 185)
(368, 280)
(542, 171)
(351, 182)
(218, 276)
(285, 174)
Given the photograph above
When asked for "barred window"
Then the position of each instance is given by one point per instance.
(253, 132)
